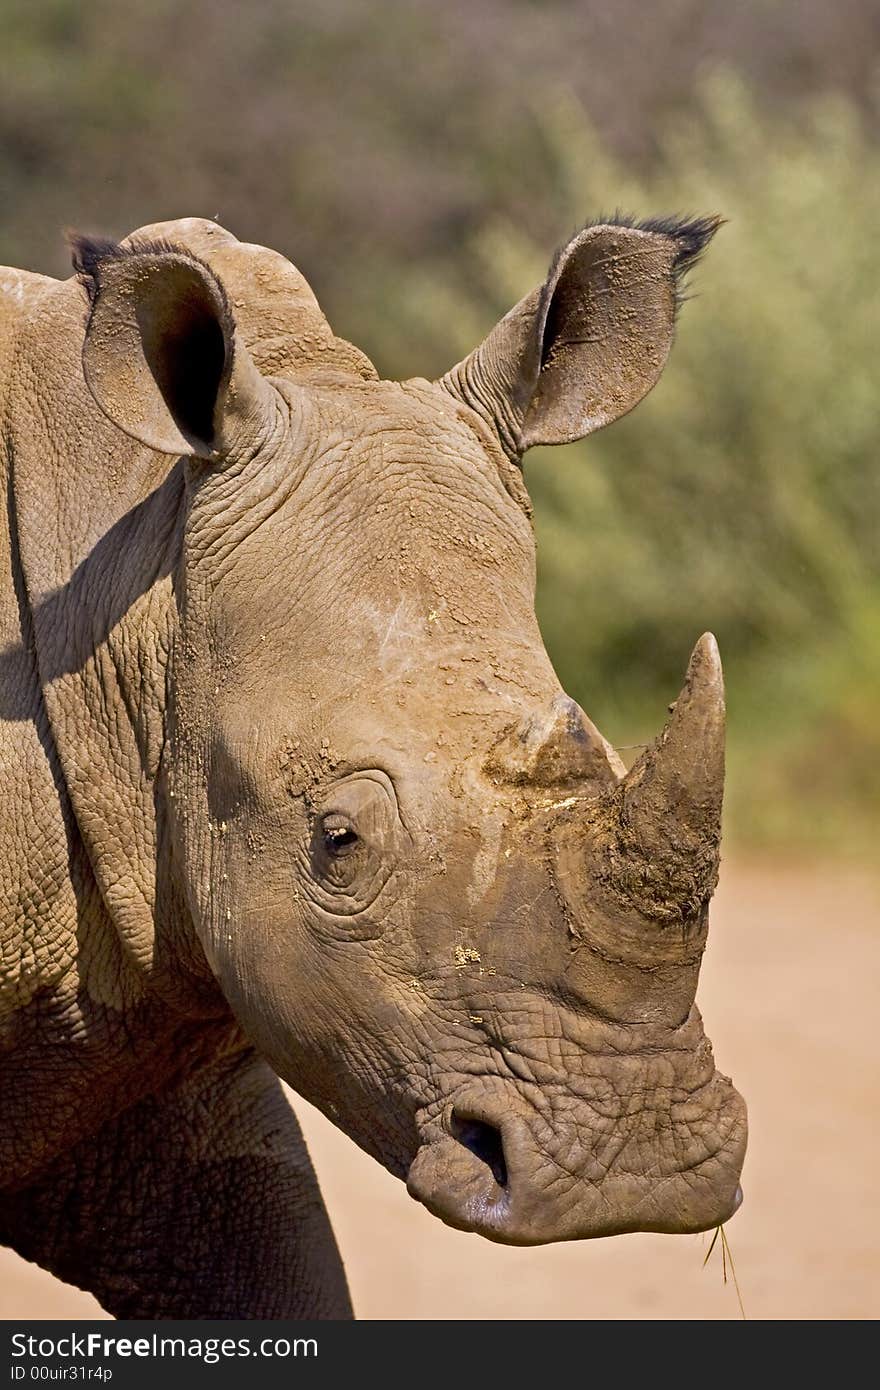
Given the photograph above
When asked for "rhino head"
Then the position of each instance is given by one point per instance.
(429, 891)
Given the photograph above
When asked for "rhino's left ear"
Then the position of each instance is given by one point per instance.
(161, 355)
(586, 346)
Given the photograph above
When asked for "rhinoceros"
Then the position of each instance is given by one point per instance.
(291, 788)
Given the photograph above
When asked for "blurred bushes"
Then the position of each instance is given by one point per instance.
(743, 495)
(418, 163)
(358, 132)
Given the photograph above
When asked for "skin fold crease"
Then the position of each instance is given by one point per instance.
(292, 788)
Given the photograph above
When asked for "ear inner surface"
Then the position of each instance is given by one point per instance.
(186, 348)
(160, 348)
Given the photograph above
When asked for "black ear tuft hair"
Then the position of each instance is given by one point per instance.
(692, 235)
(87, 253)
(90, 253)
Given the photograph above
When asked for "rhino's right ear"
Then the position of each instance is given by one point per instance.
(586, 346)
(161, 355)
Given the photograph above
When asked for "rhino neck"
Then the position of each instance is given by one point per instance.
(99, 524)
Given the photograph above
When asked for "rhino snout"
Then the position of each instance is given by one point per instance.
(493, 1168)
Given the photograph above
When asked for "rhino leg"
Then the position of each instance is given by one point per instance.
(199, 1203)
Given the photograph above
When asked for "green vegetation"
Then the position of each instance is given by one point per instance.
(743, 495)
(418, 162)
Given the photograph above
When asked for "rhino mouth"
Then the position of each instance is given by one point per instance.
(491, 1168)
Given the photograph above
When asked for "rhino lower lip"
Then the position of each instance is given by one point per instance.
(482, 1170)
(467, 1195)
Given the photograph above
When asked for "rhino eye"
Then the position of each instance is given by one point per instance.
(340, 837)
(352, 845)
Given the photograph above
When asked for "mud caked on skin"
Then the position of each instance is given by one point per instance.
(291, 786)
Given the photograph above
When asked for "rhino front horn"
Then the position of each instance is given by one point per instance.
(670, 801)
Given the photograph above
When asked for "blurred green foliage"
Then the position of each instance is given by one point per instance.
(418, 162)
(743, 495)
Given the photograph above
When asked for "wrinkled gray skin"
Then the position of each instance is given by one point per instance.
(288, 775)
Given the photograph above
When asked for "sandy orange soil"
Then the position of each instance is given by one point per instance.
(789, 994)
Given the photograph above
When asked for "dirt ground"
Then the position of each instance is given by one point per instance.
(789, 994)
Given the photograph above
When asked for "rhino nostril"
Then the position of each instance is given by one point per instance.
(484, 1141)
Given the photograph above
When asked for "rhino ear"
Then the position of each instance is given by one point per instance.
(161, 355)
(586, 346)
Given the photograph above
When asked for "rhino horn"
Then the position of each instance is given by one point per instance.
(669, 803)
(556, 747)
